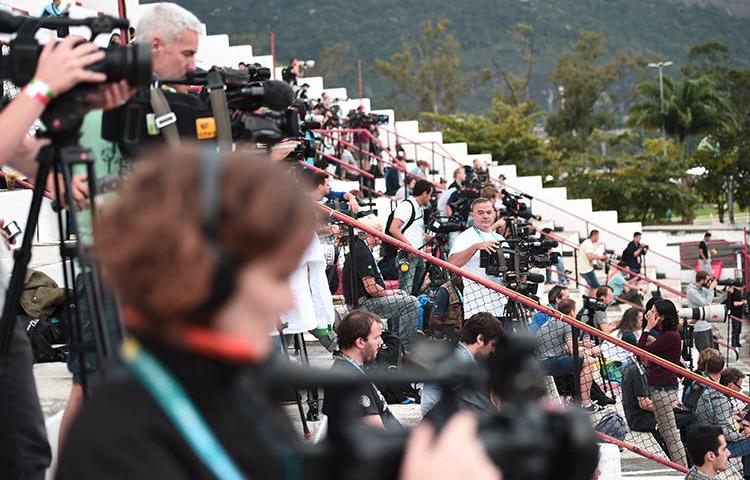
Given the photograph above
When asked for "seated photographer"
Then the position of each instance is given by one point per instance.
(466, 254)
(407, 226)
(447, 314)
(622, 288)
(422, 170)
(405, 190)
(478, 338)
(631, 256)
(700, 294)
(369, 291)
(715, 408)
(556, 294)
(394, 178)
(359, 339)
(639, 408)
(322, 190)
(604, 298)
(556, 353)
(449, 195)
(707, 448)
(559, 265)
(209, 344)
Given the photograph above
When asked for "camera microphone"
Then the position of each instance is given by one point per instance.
(277, 95)
(9, 23)
(535, 277)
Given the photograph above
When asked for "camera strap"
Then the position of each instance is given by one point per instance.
(175, 403)
(165, 117)
(218, 96)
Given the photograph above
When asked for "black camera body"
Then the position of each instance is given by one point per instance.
(730, 282)
(357, 119)
(593, 304)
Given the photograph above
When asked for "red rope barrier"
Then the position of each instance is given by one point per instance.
(641, 452)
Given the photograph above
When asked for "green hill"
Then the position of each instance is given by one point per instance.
(374, 28)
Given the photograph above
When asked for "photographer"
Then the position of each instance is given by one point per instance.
(24, 450)
(738, 303)
(716, 409)
(422, 170)
(605, 297)
(369, 287)
(447, 314)
(556, 354)
(449, 195)
(478, 339)
(207, 345)
(292, 72)
(465, 254)
(359, 337)
(408, 226)
(586, 257)
(556, 294)
(394, 179)
(704, 254)
(559, 265)
(172, 32)
(662, 317)
(631, 256)
(699, 294)
(322, 190)
(622, 287)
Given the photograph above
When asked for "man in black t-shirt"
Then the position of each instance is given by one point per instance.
(363, 284)
(631, 256)
(639, 408)
(704, 256)
(736, 309)
(359, 337)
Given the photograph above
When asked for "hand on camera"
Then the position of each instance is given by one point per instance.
(456, 454)
(80, 190)
(62, 65)
(111, 95)
(489, 247)
(4, 235)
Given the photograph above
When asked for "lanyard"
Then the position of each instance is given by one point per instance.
(352, 363)
(173, 400)
(458, 292)
(493, 235)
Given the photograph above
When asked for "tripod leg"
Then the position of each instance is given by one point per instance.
(313, 413)
(297, 395)
(23, 254)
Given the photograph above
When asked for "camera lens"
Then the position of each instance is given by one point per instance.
(131, 63)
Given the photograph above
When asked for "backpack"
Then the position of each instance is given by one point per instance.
(390, 358)
(691, 394)
(612, 424)
(386, 249)
(42, 335)
(41, 296)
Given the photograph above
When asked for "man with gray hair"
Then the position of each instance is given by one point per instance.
(173, 34)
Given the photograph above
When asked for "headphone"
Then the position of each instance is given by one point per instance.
(210, 174)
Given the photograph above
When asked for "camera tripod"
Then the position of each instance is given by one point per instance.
(63, 119)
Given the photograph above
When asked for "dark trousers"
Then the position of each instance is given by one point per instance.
(736, 331)
(24, 450)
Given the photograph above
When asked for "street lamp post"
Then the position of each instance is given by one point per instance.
(660, 66)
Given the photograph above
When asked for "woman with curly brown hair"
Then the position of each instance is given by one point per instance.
(199, 250)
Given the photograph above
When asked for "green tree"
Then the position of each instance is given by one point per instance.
(427, 70)
(515, 89)
(506, 132)
(336, 62)
(583, 79)
(692, 106)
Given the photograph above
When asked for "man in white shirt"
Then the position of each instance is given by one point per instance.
(408, 226)
(586, 256)
(465, 254)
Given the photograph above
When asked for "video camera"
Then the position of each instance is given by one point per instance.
(357, 119)
(514, 206)
(523, 438)
(523, 253)
(593, 304)
(131, 63)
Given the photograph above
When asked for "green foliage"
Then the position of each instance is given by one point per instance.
(584, 77)
(428, 70)
(640, 187)
(692, 106)
(506, 132)
(336, 62)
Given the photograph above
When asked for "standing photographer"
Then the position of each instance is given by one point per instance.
(737, 306)
(663, 382)
(586, 257)
(466, 254)
(408, 227)
(704, 254)
(24, 450)
(700, 294)
(631, 256)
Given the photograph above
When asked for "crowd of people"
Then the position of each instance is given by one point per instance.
(228, 255)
